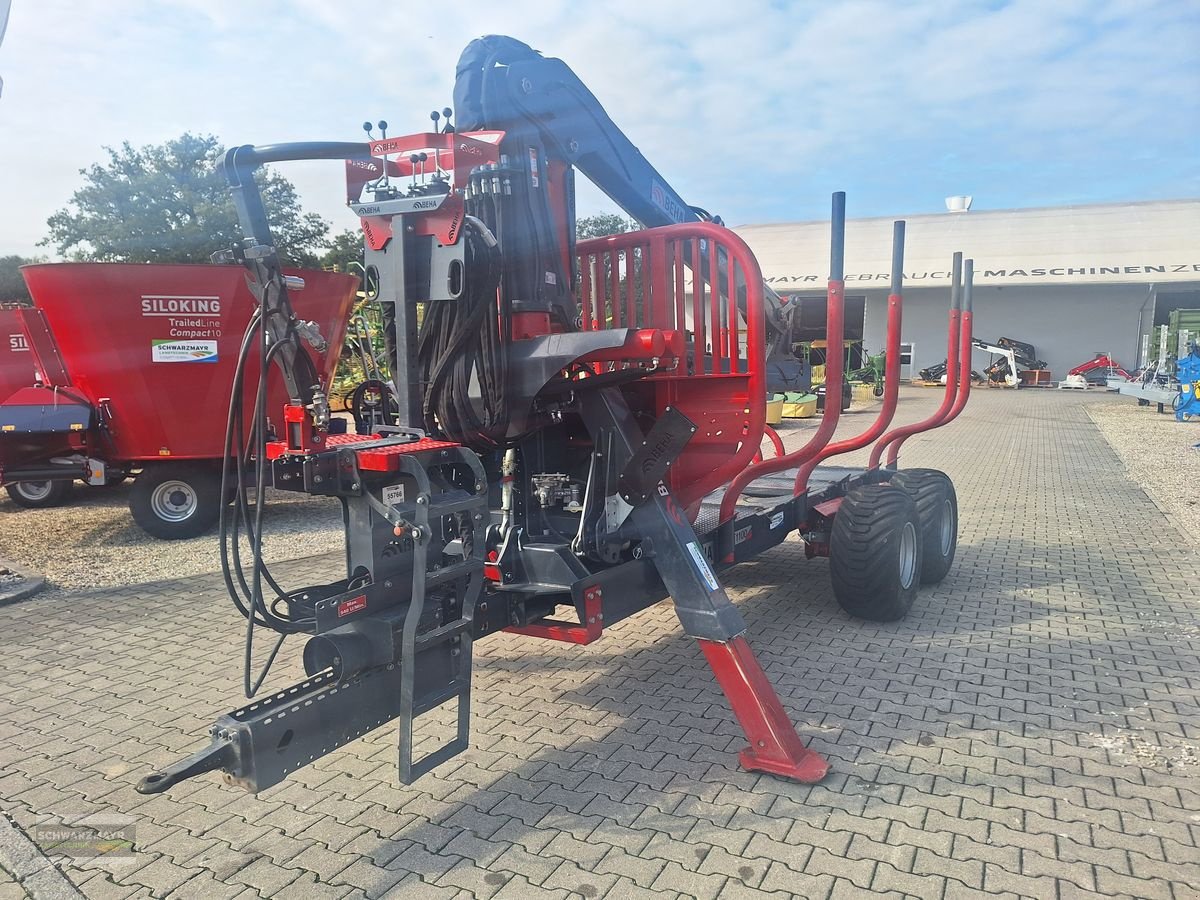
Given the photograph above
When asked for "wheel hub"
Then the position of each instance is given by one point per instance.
(34, 490)
(908, 555)
(174, 501)
(948, 526)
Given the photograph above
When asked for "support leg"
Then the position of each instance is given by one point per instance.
(775, 747)
(706, 613)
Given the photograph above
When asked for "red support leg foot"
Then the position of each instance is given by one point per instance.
(774, 745)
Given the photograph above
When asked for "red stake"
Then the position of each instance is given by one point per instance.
(897, 436)
(964, 352)
(834, 358)
(891, 377)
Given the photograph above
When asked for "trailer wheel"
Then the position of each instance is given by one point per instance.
(39, 494)
(875, 553)
(937, 506)
(176, 500)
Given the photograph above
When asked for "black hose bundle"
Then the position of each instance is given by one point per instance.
(462, 345)
(245, 472)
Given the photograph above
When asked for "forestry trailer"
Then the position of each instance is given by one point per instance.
(579, 429)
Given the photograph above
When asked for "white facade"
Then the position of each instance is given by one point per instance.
(1073, 281)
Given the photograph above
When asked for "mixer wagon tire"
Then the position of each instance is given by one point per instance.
(39, 494)
(176, 500)
(875, 553)
(937, 506)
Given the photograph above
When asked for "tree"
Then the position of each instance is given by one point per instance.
(12, 285)
(602, 225)
(168, 203)
(345, 253)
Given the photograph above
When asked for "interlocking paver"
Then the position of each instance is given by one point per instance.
(1030, 728)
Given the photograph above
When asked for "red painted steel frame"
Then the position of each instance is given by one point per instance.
(964, 352)
(891, 395)
(775, 747)
(894, 438)
(835, 320)
(726, 396)
(585, 632)
(776, 441)
(964, 378)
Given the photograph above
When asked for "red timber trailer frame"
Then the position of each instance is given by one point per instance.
(574, 444)
(685, 316)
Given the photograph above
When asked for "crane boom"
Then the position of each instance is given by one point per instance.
(502, 83)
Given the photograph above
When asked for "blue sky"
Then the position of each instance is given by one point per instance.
(756, 110)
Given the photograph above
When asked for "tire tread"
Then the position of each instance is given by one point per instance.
(863, 563)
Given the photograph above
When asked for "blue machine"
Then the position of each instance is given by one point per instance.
(1188, 372)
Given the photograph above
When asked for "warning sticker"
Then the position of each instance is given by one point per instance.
(702, 565)
(353, 605)
(183, 351)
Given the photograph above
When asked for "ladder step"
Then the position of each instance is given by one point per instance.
(453, 662)
(442, 633)
(433, 760)
(453, 571)
(443, 508)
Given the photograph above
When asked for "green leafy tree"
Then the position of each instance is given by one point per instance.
(12, 285)
(602, 225)
(170, 203)
(345, 253)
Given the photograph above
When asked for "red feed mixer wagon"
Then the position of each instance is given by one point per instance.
(130, 376)
(16, 362)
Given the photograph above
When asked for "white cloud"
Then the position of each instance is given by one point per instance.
(756, 110)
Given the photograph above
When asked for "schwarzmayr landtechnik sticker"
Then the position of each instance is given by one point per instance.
(183, 351)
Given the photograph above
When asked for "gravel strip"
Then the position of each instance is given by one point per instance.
(1159, 454)
(93, 541)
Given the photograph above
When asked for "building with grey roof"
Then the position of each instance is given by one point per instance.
(1071, 280)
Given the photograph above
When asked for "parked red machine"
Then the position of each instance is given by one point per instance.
(1099, 369)
(578, 429)
(131, 372)
(16, 362)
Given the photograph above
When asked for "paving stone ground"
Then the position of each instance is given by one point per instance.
(1030, 730)
(9, 888)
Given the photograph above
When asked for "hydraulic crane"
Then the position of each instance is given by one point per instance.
(570, 420)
